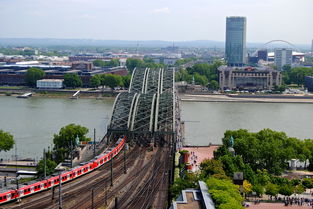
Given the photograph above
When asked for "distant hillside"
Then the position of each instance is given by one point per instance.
(104, 43)
(119, 43)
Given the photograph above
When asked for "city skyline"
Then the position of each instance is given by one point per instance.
(157, 20)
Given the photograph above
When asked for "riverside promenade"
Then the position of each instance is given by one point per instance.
(296, 98)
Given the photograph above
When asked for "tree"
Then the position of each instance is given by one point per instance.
(299, 189)
(113, 81)
(247, 187)
(6, 141)
(224, 193)
(280, 88)
(271, 189)
(99, 63)
(296, 75)
(286, 190)
(266, 149)
(102, 80)
(67, 139)
(212, 167)
(258, 189)
(50, 166)
(113, 63)
(126, 80)
(200, 79)
(131, 63)
(72, 80)
(32, 75)
(183, 75)
(308, 183)
(179, 184)
(214, 85)
(95, 81)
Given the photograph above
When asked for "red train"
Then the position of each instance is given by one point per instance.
(66, 176)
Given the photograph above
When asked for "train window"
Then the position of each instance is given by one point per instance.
(0, 198)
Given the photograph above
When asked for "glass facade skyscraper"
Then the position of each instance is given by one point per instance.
(235, 48)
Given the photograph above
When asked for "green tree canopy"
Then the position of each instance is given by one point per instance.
(179, 184)
(126, 80)
(131, 63)
(72, 80)
(286, 190)
(212, 167)
(271, 189)
(214, 85)
(296, 75)
(200, 79)
(95, 81)
(183, 75)
(308, 183)
(99, 63)
(224, 193)
(68, 138)
(113, 81)
(34, 74)
(111, 63)
(6, 141)
(266, 149)
(50, 166)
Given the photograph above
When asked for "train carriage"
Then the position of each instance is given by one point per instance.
(65, 177)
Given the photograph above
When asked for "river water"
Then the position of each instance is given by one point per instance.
(33, 121)
(206, 122)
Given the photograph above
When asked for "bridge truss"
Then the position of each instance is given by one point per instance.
(148, 108)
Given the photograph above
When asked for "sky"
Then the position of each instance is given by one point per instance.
(170, 20)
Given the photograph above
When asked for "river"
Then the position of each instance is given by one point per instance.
(33, 121)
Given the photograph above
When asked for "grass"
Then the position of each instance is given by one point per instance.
(24, 180)
(13, 87)
(19, 167)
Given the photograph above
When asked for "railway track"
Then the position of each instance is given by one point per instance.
(145, 196)
(137, 190)
(73, 188)
(99, 191)
(137, 180)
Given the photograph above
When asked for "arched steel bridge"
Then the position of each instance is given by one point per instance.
(149, 105)
(274, 41)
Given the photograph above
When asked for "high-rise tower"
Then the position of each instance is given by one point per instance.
(235, 48)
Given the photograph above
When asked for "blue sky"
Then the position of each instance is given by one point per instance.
(172, 20)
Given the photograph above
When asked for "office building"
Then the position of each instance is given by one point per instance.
(282, 57)
(249, 78)
(262, 54)
(235, 48)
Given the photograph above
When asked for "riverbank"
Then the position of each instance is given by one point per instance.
(60, 93)
(246, 98)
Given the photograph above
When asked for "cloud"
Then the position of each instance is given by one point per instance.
(164, 10)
